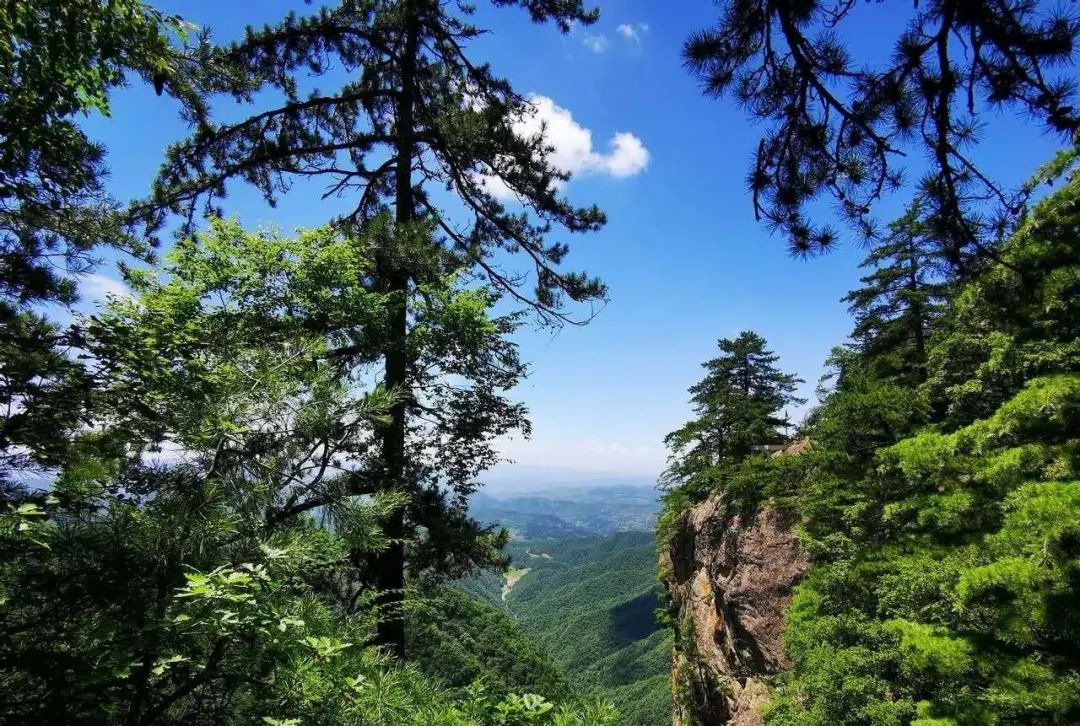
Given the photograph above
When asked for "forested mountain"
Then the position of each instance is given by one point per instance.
(589, 602)
(460, 639)
(560, 512)
(936, 497)
(574, 616)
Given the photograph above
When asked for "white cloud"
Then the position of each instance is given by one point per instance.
(572, 146)
(633, 31)
(496, 187)
(628, 156)
(99, 288)
(596, 43)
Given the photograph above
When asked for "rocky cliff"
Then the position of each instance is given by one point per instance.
(730, 579)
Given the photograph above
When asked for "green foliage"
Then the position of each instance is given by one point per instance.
(738, 407)
(1013, 322)
(413, 112)
(226, 481)
(740, 410)
(157, 590)
(460, 114)
(901, 300)
(235, 644)
(60, 61)
(457, 640)
(591, 607)
(944, 534)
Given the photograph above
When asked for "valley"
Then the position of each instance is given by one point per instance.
(583, 589)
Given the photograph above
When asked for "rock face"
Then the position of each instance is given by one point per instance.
(730, 579)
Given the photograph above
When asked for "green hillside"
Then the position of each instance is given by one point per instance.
(588, 602)
(456, 640)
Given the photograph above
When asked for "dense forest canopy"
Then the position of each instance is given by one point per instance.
(948, 551)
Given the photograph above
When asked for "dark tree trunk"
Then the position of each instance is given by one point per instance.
(918, 324)
(390, 564)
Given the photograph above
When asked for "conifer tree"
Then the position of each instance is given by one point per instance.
(842, 128)
(415, 113)
(901, 299)
(739, 405)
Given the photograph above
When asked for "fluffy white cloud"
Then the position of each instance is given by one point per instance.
(628, 156)
(572, 147)
(632, 31)
(596, 43)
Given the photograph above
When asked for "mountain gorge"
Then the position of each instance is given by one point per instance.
(585, 590)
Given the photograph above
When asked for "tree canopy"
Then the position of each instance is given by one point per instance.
(944, 583)
(196, 557)
(415, 114)
(739, 406)
(60, 61)
(902, 298)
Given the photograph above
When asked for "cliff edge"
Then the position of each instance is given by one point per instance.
(730, 579)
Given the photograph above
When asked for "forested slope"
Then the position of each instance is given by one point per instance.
(946, 585)
(937, 495)
(458, 640)
(589, 603)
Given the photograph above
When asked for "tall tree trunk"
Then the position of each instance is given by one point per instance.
(390, 564)
(918, 324)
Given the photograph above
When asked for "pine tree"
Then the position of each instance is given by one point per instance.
(900, 301)
(739, 405)
(415, 114)
(842, 128)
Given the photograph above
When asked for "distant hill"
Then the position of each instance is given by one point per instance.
(561, 512)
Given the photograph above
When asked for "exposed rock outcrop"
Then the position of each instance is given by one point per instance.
(730, 579)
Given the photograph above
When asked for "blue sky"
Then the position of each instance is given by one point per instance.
(685, 260)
